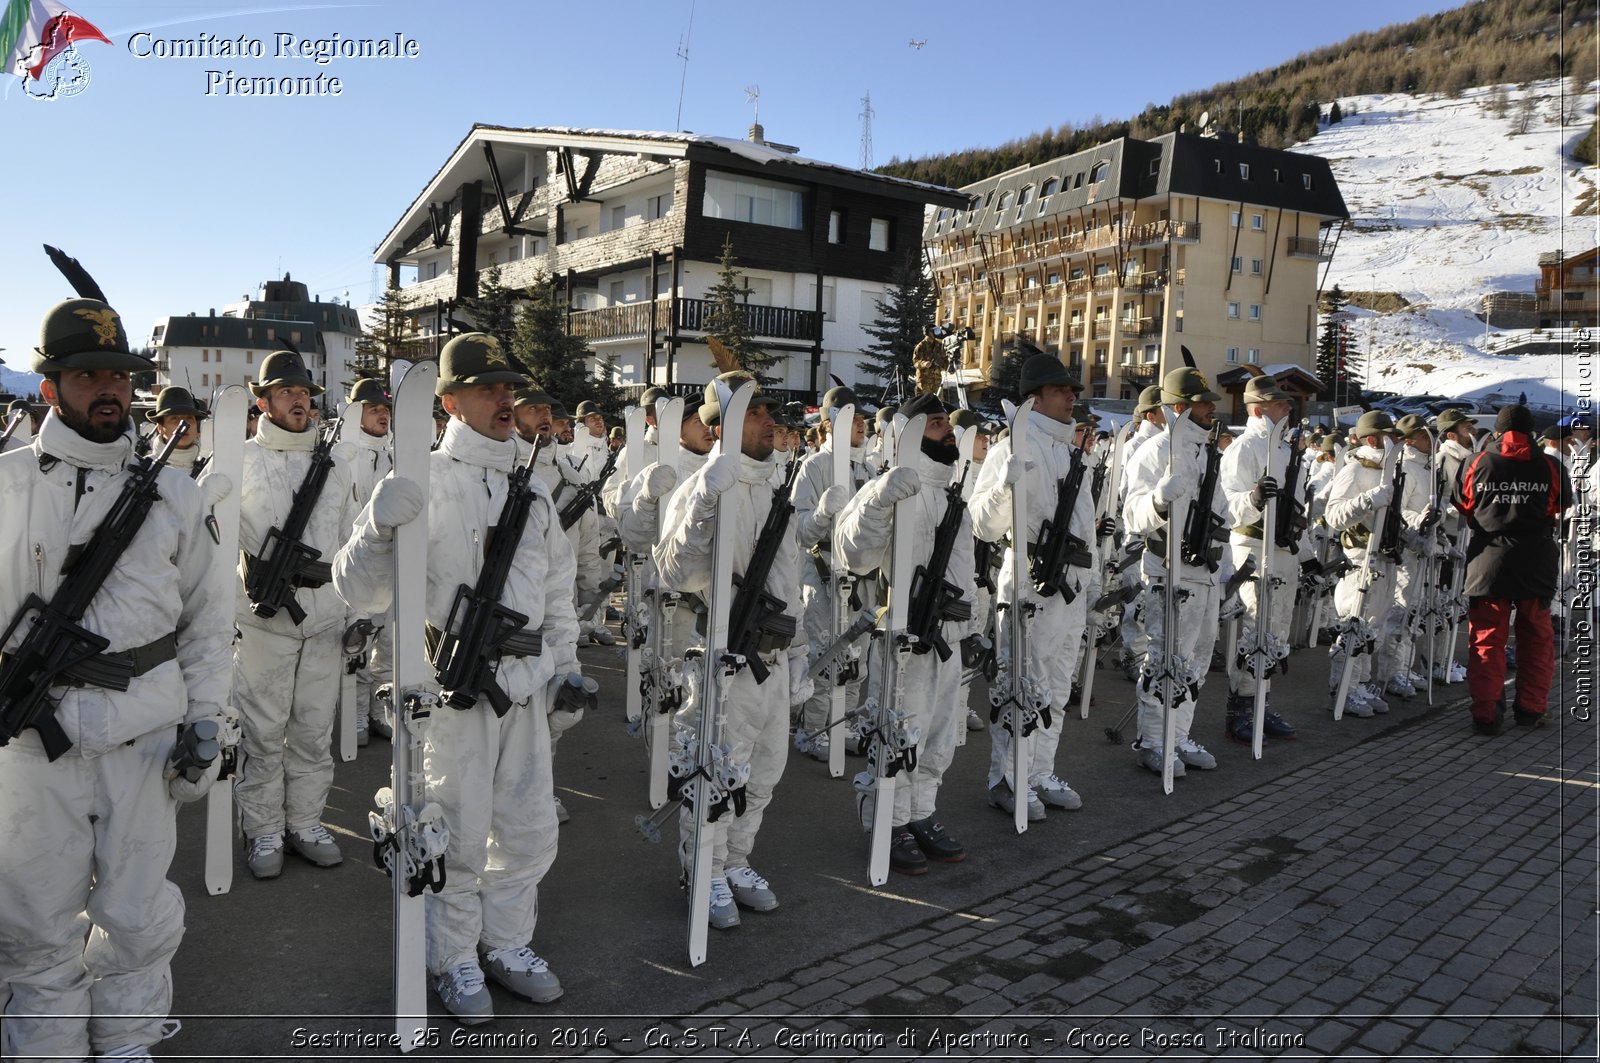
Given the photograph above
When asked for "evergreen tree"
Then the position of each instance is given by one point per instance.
(386, 340)
(1005, 376)
(905, 311)
(1337, 357)
(494, 309)
(559, 362)
(727, 320)
(1335, 115)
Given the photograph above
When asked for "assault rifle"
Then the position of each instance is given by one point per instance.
(1203, 527)
(57, 648)
(579, 503)
(286, 564)
(757, 620)
(11, 428)
(1058, 549)
(467, 651)
(935, 599)
(1292, 519)
(1389, 540)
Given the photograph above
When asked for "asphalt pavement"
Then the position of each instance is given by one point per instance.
(1395, 887)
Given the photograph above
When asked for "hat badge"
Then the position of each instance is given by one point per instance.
(105, 323)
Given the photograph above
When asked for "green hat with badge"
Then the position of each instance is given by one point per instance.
(534, 395)
(175, 402)
(1264, 389)
(1409, 425)
(586, 408)
(1041, 370)
(474, 358)
(84, 334)
(1451, 419)
(370, 390)
(1149, 399)
(283, 369)
(711, 409)
(1374, 423)
(1188, 386)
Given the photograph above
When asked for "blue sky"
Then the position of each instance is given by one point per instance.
(181, 201)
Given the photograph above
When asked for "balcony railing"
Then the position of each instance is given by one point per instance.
(775, 322)
(620, 322)
(1142, 373)
(1309, 247)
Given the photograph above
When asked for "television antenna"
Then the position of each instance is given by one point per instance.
(683, 54)
(753, 94)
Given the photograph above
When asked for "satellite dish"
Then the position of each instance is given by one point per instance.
(1205, 120)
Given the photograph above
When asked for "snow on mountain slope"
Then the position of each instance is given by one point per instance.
(1450, 199)
(19, 383)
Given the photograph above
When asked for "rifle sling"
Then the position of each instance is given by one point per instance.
(312, 574)
(112, 670)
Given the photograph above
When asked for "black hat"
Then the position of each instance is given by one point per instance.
(175, 402)
(884, 416)
(370, 390)
(283, 369)
(791, 415)
(925, 404)
(559, 411)
(1043, 369)
(84, 334)
(1514, 417)
(474, 358)
(586, 408)
(1555, 433)
(836, 398)
(533, 395)
(691, 404)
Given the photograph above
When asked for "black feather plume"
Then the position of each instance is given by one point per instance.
(76, 275)
(286, 345)
(1188, 359)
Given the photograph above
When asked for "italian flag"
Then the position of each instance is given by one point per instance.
(33, 32)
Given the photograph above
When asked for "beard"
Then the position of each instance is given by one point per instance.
(944, 451)
(83, 423)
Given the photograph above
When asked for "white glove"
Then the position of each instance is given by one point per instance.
(897, 484)
(1168, 490)
(831, 502)
(658, 482)
(801, 686)
(396, 501)
(215, 487)
(1016, 466)
(1379, 496)
(722, 472)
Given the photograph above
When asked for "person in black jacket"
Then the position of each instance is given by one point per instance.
(1512, 495)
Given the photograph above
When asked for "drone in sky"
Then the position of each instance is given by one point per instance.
(918, 42)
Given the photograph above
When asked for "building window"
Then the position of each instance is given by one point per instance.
(1253, 355)
(756, 202)
(205, 379)
(205, 354)
(1257, 222)
(1255, 266)
(1098, 173)
(1099, 356)
(1233, 355)
(1305, 181)
(1127, 355)
(1233, 218)
(1025, 196)
(1152, 353)
(1244, 171)
(619, 218)
(658, 206)
(835, 226)
(1233, 311)
(1031, 282)
(1255, 311)
(1155, 167)
(1238, 264)
(879, 240)
(1055, 278)
(1049, 188)
(249, 357)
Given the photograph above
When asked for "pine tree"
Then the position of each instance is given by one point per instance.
(1335, 114)
(726, 317)
(386, 340)
(1005, 377)
(905, 311)
(494, 309)
(560, 362)
(1338, 360)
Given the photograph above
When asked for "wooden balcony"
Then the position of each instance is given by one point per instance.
(1310, 248)
(1140, 373)
(627, 321)
(773, 322)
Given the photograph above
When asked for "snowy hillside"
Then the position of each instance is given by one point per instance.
(19, 383)
(1451, 199)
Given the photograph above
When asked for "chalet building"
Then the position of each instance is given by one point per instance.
(1117, 256)
(205, 353)
(632, 224)
(1567, 290)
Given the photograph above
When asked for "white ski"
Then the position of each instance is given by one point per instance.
(355, 647)
(966, 443)
(1262, 654)
(1167, 674)
(408, 832)
(891, 744)
(1095, 629)
(1015, 693)
(849, 666)
(227, 423)
(662, 673)
(714, 779)
(635, 618)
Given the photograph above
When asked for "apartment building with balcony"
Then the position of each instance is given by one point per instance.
(206, 352)
(632, 224)
(1116, 257)
(1567, 294)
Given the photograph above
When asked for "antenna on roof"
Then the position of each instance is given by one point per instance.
(753, 94)
(866, 131)
(683, 76)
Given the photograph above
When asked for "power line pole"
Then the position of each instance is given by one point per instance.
(866, 131)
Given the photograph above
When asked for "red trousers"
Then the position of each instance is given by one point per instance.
(1488, 621)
